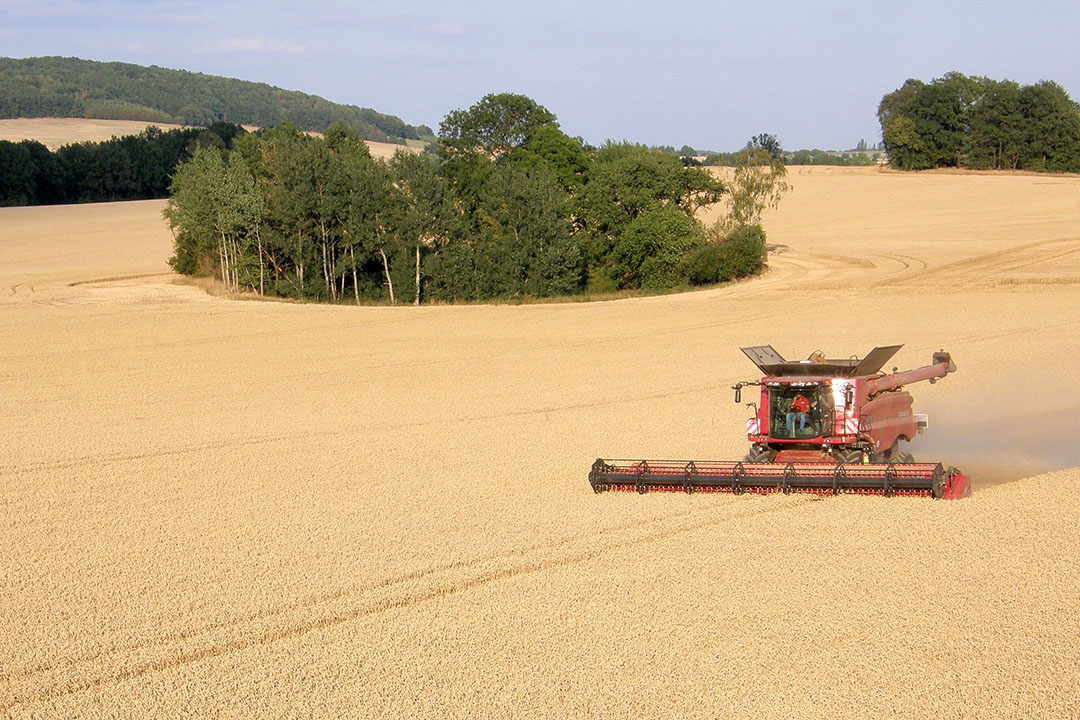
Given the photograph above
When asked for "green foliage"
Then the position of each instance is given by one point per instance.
(122, 110)
(741, 253)
(423, 215)
(565, 156)
(769, 144)
(192, 211)
(650, 253)
(135, 167)
(70, 87)
(626, 180)
(495, 125)
(18, 181)
(977, 122)
(821, 157)
(758, 185)
(600, 282)
(745, 250)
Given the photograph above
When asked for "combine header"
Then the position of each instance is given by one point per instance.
(821, 426)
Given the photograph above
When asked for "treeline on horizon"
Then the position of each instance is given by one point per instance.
(982, 124)
(862, 155)
(71, 87)
(509, 207)
(134, 167)
(857, 158)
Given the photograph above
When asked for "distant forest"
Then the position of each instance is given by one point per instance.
(135, 167)
(70, 87)
(980, 123)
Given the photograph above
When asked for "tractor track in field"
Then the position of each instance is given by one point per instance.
(992, 268)
(130, 662)
(122, 278)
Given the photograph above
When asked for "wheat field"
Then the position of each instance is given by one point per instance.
(55, 132)
(223, 508)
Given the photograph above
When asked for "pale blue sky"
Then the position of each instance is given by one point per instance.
(707, 74)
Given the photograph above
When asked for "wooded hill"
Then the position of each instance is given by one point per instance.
(70, 87)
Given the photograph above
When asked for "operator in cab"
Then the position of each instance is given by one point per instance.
(800, 406)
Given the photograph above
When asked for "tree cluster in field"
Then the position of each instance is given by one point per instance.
(509, 207)
(70, 87)
(135, 167)
(979, 123)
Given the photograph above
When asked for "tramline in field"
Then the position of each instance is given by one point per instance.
(822, 426)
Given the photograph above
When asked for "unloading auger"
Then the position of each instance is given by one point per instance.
(821, 426)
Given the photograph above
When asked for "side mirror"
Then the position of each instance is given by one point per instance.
(849, 395)
(738, 393)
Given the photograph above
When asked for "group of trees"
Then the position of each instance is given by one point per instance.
(510, 206)
(135, 167)
(980, 123)
(823, 157)
(70, 87)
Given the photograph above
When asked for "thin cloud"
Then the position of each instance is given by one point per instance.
(256, 45)
(443, 29)
(70, 11)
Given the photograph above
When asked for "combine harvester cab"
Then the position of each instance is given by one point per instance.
(822, 426)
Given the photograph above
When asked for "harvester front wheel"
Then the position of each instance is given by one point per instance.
(849, 457)
(760, 454)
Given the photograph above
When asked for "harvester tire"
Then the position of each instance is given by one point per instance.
(760, 454)
(850, 457)
(895, 455)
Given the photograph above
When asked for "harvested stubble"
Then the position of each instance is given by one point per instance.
(233, 508)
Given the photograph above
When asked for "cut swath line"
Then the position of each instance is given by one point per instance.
(120, 278)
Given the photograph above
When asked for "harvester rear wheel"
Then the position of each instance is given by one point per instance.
(897, 454)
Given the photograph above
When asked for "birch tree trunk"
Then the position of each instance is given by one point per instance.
(236, 265)
(224, 251)
(299, 264)
(326, 264)
(386, 270)
(224, 263)
(262, 262)
(355, 285)
(417, 300)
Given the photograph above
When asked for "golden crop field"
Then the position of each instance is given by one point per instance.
(55, 132)
(221, 508)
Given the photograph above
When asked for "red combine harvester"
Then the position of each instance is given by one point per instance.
(822, 426)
